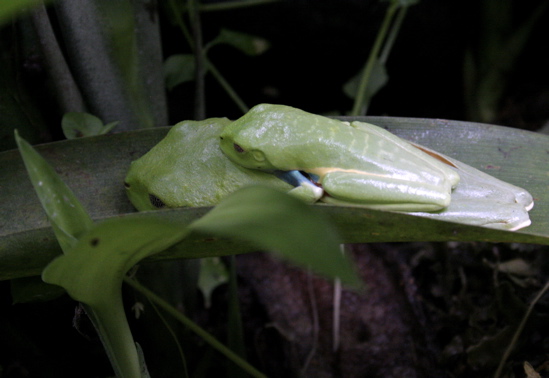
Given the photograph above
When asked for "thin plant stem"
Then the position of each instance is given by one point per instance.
(336, 321)
(235, 332)
(181, 24)
(316, 325)
(358, 107)
(519, 330)
(199, 58)
(207, 337)
(173, 335)
(392, 35)
(230, 91)
(208, 64)
(336, 314)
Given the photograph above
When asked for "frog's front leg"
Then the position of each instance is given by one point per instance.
(304, 188)
(384, 192)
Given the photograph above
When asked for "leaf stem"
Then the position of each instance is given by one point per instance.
(227, 87)
(207, 337)
(384, 55)
(205, 61)
(358, 107)
(199, 57)
(112, 327)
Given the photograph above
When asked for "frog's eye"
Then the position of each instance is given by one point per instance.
(238, 149)
(156, 202)
(127, 185)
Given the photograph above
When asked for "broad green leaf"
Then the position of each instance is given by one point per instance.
(179, 69)
(275, 221)
(378, 79)
(94, 264)
(93, 271)
(95, 167)
(103, 255)
(77, 125)
(64, 210)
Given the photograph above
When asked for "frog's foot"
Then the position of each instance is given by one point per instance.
(478, 212)
(307, 192)
(304, 189)
(525, 199)
(384, 192)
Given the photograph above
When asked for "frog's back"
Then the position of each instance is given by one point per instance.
(292, 139)
(282, 131)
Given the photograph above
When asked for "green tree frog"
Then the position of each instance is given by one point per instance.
(362, 164)
(187, 168)
(296, 151)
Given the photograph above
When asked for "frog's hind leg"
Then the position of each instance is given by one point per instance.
(485, 186)
(430, 158)
(384, 192)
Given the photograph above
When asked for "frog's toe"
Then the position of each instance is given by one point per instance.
(510, 217)
(518, 226)
(525, 199)
(309, 193)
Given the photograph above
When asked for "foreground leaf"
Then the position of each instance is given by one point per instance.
(93, 272)
(68, 216)
(275, 221)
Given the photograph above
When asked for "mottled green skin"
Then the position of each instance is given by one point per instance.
(187, 168)
(356, 163)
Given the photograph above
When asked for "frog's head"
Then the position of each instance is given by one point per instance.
(244, 141)
(269, 137)
(239, 150)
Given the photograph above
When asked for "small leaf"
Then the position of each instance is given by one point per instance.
(69, 217)
(108, 127)
(77, 125)
(248, 44)
(275, 221)
(378, 79)
(213, 273)
(179, 69)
